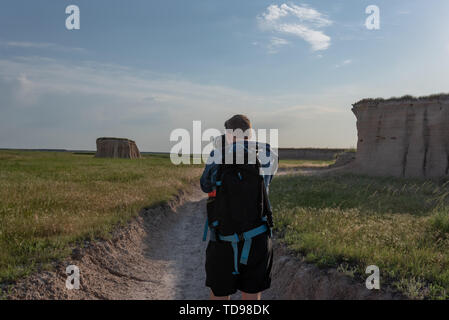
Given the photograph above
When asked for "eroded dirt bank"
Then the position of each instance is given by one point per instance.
(160, 255)
(294, 279)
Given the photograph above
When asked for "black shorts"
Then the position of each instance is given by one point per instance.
(253, 277)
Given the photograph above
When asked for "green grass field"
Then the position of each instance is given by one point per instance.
(350, 222)
(50, 201)
(297, 163)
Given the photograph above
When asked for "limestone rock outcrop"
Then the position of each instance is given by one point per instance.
(116, 148)
(403, 137)
(343, 159)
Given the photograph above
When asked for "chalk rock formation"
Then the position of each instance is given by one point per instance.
(344, 158)
(116, 148)
(403, 137)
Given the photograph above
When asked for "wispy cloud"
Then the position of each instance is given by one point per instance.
(39, 45)
(276, 43)
(50, 103)
(299, 21)
(343, 63)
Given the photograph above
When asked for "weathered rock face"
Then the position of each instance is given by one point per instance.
(116, 148)
(404, 137)
(344, 158)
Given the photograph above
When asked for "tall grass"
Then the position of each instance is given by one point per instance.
(346, 220)
(440, 222)
(300, 163)
(51, 200)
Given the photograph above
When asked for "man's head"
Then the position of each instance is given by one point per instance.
(240, 126)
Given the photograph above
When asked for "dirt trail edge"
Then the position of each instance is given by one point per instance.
(160, 255)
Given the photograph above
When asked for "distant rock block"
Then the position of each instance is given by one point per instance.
(403, 137)
(117, 148)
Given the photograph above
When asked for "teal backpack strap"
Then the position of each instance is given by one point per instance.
(206, 227)
(265, 219)
(248, 236)
(245, 251)
(236, 259)
(234, 239)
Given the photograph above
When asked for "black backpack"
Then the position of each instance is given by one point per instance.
(240, 210)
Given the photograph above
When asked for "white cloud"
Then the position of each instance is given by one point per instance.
(317, 39)
(276, 43)
(302, 12)
(343, 63)
(299, 21)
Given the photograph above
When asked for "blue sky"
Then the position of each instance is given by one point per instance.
(140, 69)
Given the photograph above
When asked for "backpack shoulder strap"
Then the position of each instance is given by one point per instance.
(266, 206)
(223, 149)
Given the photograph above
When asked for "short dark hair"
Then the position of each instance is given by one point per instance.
(238, 121)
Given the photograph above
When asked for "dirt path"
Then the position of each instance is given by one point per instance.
(177, 253)
(160, 255)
